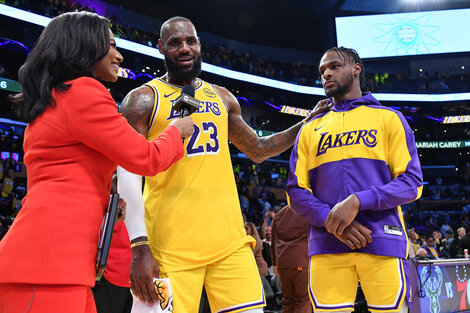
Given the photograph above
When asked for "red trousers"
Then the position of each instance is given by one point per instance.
(28, 298)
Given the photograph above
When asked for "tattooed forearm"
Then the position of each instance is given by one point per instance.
(244, 137)
(260, 148)
(280, 142)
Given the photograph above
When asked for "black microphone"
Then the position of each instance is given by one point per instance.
(186, 104)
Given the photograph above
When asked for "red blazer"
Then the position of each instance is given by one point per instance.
(71, 152)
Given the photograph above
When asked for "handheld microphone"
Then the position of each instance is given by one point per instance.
(186, 104)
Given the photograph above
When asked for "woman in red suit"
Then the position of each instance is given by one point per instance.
(73, 143)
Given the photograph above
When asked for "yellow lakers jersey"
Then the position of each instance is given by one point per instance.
(192, 210)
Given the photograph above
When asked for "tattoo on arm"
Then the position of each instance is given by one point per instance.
(245, 138)
(137, 107)
(259, 148)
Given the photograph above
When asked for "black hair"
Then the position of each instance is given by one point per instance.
(68, 48)
(352, 56)
(172, 20)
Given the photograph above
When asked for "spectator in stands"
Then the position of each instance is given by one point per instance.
(74, 141)
(465, 242)
(422, 238)
(421, 252)
(429, 247)
(289, 250)
(266, 231)
(437, 236)
(445, 225)
(446, 243)
(8, 184)
(262, 265)
(455, 247)
(414, 241)
(266, 227)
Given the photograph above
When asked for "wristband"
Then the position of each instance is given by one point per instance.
(139, 243)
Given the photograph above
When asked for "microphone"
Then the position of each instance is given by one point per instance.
(186, 104)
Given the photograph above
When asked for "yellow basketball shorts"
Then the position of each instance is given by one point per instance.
(232, 284)
(333, 281)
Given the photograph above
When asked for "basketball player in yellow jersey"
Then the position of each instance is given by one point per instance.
(194, 232)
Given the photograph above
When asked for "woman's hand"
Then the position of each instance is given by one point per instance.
(185, 126)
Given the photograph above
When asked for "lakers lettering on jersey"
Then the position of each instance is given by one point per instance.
(193, 215)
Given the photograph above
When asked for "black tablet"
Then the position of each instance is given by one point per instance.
(106, 234)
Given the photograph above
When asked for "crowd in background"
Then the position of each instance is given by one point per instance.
(53, 8)
(260, 188)
(288, 70)
(13, 188)
(307, 74)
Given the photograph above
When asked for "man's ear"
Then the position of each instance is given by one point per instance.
(357, 69)
(160, 46)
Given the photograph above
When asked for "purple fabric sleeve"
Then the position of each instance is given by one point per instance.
(302, 200)
(307, 206)
(404, 188)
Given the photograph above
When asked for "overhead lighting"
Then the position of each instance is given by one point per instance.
(249, 78)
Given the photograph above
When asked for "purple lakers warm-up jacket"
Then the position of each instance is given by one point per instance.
(358, 147)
